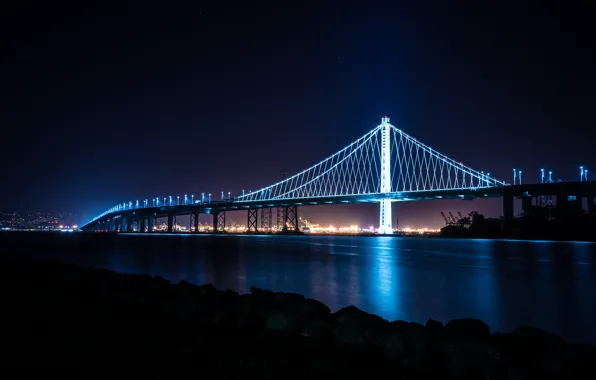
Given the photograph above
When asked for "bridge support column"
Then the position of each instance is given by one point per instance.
(281, 219)
(219, 222)
(291, 219)
(385, 227)
(170, 223)
(591, 205)
(129, 222)
(151, 223)
(526, 205)
(142, 225)
(252, 222)
(122, 223)
(266, 219)
(507, 211)
(194, 222)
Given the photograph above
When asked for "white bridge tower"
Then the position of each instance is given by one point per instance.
(385, 212)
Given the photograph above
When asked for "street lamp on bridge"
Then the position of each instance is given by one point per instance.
(520, 172)
(185, 199)
(209, 197)
(541, 175)
(222, 195)
(581, 173)
(170, 201)
(202, 197)
(177, 200)
(229, 196)
(192, 197)
(514, 175)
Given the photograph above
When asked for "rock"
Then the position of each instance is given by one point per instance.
(435, 328)
(540, 353)
(467, 329)
(394, 346)
(464, 360)
(278, 322)
(206, 289)
(363, 318)
(315, 308)
(255, 290)
(259, 334)
(348, 332)
(353, 326)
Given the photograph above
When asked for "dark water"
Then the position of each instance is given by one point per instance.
(550, 285)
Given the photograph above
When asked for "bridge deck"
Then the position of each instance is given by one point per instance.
(581, 189)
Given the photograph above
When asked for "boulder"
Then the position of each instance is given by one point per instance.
(467, 329)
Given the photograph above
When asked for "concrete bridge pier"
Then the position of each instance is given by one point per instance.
(122, 223)
(194, 227)
(591, 205)
(142, 225)
(507, 210)
(170, 223)
(151, 223)
(526, 205)
(129, 221)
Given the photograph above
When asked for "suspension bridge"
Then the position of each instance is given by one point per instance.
(385, 165)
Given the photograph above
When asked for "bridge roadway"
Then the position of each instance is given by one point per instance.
(122, 220)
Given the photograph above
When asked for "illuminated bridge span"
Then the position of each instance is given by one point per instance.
(383, 166)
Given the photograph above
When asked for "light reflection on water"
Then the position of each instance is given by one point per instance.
(550, 285)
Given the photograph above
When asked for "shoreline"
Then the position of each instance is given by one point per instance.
(60, 313)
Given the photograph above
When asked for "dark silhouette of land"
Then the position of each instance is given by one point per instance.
(538, 222)
(60, 315)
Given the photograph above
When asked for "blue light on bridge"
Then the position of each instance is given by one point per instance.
(336, 180)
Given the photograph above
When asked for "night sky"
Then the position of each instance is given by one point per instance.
(103, 104)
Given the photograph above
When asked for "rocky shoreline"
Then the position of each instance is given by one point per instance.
(60, 315)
